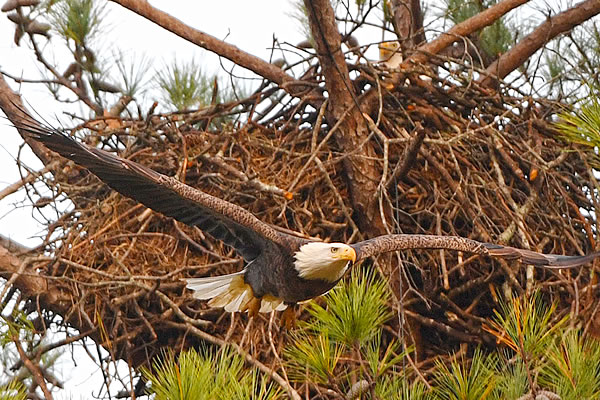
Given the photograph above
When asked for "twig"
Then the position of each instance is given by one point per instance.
(35, 370)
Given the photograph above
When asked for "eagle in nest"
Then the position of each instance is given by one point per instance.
(281, 270)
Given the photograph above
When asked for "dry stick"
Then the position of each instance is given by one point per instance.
(531, 43)
(447, 329)
(32, 176)
(318, 148)
(38, 377)
(338, 197)
(386, 145)
(408, 157)
(454, 34)
(211, 43)
(80, 93)
(317, 127)
(438, 231)
(254, 182)
(520, 212)
(273, 349)
(466, 204)
(107, 226)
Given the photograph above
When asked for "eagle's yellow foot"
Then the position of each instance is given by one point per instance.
(253, 306)
(288, 318)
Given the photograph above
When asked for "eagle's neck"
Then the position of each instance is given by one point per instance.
(314, 261)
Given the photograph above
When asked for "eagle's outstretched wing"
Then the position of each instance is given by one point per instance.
(224, 221)
(387, 243)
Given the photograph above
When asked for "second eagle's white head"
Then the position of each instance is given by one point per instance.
(326, 261)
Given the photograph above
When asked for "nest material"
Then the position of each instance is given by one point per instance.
(490, 168)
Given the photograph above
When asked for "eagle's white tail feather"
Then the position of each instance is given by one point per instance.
(240, 302)
(269, 304)
(229, 291)
(204, 288)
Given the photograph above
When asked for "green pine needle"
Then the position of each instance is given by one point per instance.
(354, 312)
(206, 375)
(474, 380)
(397, 388)
(574, 368)
(511, 378)
(524, 326)
(582, 126)
(78, 20)
(313, 357)
(184, 85)
(13, 391)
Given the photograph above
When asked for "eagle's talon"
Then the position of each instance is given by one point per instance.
(253, 307)
(288, 317)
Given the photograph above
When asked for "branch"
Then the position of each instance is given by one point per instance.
(407, 19)
(35, 370)
(219, 47)
(552, 27)
(11, 104)
(31, 177)
(17, 266)
(361, 166)
(473, 24)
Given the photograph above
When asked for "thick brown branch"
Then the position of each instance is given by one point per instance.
(473, 24)
(208, 42)
(26, 278)
(531, 43)
(361, 169)
(407, 18)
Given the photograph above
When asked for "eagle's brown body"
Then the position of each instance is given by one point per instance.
(279, 269)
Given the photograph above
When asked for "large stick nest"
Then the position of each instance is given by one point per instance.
(490, 168)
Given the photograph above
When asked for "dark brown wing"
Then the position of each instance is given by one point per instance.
(224, 221)
(387, 243)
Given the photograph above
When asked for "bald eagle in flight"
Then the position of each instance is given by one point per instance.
(281, 269)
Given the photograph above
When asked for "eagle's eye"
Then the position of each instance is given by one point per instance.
(334, 249)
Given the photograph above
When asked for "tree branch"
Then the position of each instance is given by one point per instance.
(552, 27)
(208, 42)
(35, 370)
(11, 104)
(361, 167)
(16, 265)
(473, 24)
(407, 19)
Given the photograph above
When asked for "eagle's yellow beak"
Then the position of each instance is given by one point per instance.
(346, 253)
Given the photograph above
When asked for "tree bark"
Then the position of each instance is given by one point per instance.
(361, 169)
(407, 18)
(531, 43)
(16, 267)
(454, 34)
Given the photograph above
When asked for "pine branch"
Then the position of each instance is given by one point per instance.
(531, 43)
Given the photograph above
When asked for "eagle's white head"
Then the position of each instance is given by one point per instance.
(327, 261)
